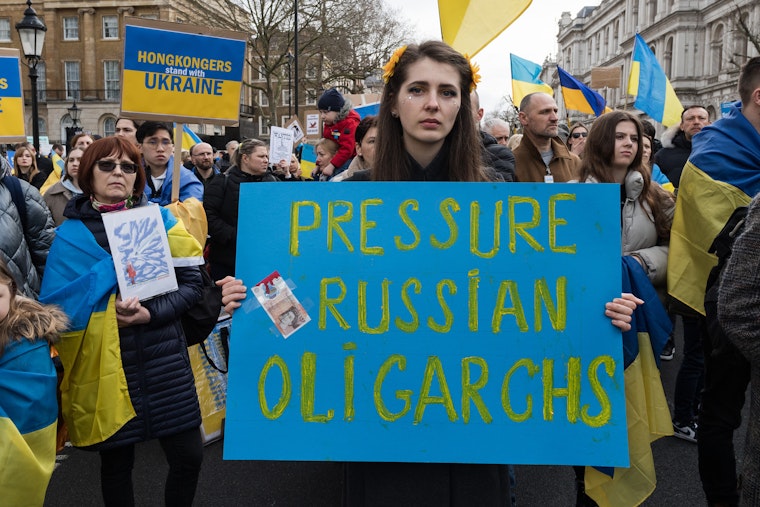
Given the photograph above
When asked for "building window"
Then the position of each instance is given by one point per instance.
(71, 73)
(110, 27)
(284, 120)
(112, 79)
(285, 97)
(311, 72)
(109, 126)
(262, 72)
(311, 97)
(5, 30)
(41, 82)
(263, 126)
(263, 99)
(668, 60)
(71, 28)
(42, 124)
(716, 48)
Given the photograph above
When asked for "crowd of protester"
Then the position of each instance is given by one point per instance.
(429, 128)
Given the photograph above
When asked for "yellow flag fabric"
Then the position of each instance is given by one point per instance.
(721, 175)
(193, 217)
(55, 175)
(469, 25)
(702, 209)
(28, 416)
(91, 360)
(648, 418)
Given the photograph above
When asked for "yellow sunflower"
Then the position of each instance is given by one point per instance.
(390, 67)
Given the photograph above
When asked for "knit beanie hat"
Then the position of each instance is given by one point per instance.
(331, 100)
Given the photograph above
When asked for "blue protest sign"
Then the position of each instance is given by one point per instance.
(449, 322)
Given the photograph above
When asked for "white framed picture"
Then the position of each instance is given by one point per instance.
(140, 251)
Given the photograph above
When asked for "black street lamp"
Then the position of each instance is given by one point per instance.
(31, 31)
(75, 113)
(295, 49)
(290, 57)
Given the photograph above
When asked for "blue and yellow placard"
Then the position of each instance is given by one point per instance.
(11, 98)
(174, 71)
(450, 322)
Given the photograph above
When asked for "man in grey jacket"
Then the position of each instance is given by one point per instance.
(24, 243)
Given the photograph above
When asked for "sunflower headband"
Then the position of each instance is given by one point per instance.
(390, 67)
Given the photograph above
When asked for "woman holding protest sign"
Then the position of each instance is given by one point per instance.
(127, 373)
(426, 133)
(251, 165)
(613, 154)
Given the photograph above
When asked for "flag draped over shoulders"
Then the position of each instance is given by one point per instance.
(723, 173)
(80, 277)
(28, 416)
(647, 412)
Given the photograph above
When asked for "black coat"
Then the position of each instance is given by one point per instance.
(439, 484)
(220, 200)
(154, 355)
(499, 157)
(671, 159)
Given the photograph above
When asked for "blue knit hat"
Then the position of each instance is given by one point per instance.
(331, 100)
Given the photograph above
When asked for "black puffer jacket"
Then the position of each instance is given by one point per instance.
(154, 355)
(498, 157)
(220, 201)
(24, 251)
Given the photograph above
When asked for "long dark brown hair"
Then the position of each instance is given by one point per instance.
(597, 164)
(26, 317)
(464, 162)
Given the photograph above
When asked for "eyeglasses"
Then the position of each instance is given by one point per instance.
(108, 165)
(155, 143)
(576, 135)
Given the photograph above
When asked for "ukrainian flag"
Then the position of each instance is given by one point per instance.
(647, 412)
(654, 93)
(82, 281)
(308, 161)
(721, 175)
(188, 137)
(59, 169)
(28, 416)
(525, 79)
(580, 97)
(468, 26)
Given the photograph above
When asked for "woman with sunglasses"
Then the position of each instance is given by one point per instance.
(127, 375)
(576, 140)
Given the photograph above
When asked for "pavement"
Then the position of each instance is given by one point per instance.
(268, 483)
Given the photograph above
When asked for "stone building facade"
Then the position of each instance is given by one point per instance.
(82, 57)
(699, 44)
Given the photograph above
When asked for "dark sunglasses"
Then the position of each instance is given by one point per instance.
(576, 135)
(109, 165)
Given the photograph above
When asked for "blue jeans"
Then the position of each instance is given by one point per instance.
(691, 374)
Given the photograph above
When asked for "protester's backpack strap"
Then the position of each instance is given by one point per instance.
(17, 195)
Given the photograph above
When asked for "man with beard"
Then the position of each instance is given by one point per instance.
(541, 156)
